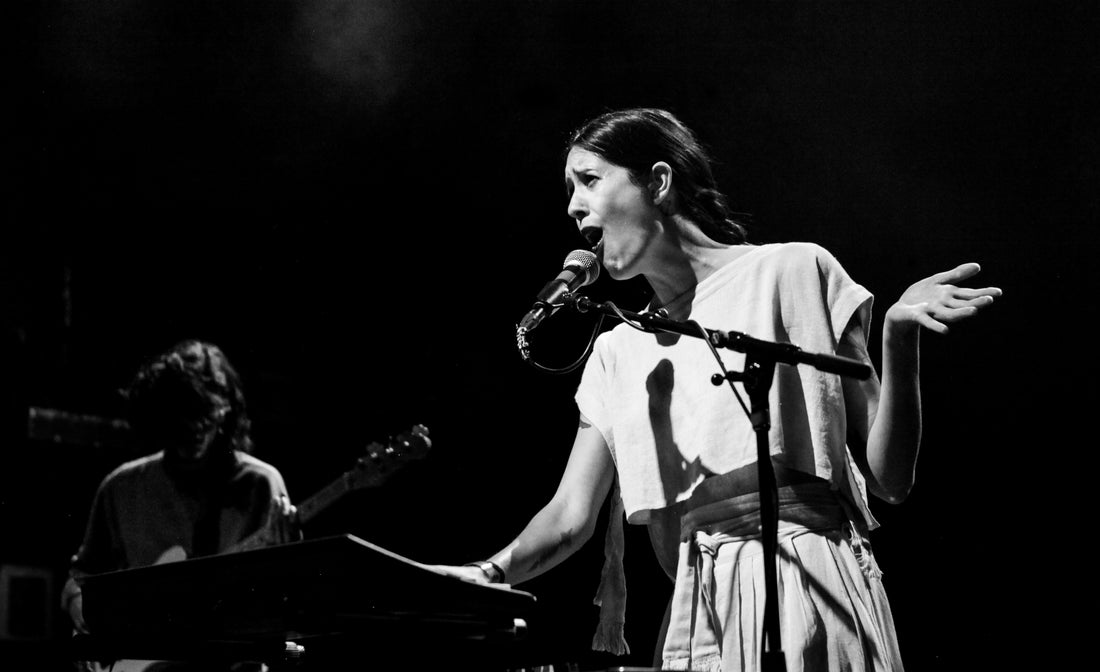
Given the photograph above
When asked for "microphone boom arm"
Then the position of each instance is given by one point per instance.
(786, 353)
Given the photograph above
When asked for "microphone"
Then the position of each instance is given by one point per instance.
(581, 268)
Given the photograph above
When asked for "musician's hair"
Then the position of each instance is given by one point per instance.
(193, 380)
(637, 138)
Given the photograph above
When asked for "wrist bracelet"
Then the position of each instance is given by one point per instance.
(492, 570)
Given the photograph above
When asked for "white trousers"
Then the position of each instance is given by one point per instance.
(833, 613)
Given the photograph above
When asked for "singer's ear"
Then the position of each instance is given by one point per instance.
(660, 182)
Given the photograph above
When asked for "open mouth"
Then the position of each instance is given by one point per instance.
(593, 236)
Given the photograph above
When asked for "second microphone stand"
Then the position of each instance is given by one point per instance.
(759, 370)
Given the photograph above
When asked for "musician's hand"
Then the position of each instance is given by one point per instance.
(462, 572)
(76, 613)
(72, 600)
(935, 302)
(282, 522)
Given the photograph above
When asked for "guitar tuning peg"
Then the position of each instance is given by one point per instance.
(374, 451)
(419, 442)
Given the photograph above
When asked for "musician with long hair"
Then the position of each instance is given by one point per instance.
(199, 490)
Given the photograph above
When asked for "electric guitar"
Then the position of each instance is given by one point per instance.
(370, 471)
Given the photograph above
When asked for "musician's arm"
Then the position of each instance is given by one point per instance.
(72, 602)
(566, 522)
(99, 551)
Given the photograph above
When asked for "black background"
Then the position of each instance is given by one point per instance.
(357, 201)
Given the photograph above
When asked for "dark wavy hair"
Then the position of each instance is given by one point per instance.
(192, 380)
(637, 138)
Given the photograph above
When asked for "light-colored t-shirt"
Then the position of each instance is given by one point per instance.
(669, 427)
(141, 516)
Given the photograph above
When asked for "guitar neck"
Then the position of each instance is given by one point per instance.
(323, 498)
(382, 462)
(307, 510)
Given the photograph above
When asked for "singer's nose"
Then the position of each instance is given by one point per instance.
(576, 207)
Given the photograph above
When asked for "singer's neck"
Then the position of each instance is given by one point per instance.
(681, 270)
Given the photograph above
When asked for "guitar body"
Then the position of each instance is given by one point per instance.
(174, 554)
(166, 666)
(133, 666)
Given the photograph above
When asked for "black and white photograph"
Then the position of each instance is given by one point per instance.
(548, 335)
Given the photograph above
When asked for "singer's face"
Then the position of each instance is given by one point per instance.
(602, 195)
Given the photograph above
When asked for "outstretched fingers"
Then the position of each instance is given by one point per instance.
(936, 301)
(984, 296)
(959, 308)
(925, 319)
(957, 274)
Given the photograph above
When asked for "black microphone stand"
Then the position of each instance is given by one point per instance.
(760, 360)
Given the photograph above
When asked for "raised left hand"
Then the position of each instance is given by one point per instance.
(936, 301)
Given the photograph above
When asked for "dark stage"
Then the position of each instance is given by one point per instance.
(358, 201)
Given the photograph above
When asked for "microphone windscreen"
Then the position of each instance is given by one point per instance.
(586, 263)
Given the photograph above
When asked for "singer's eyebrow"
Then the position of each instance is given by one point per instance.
(578, 175)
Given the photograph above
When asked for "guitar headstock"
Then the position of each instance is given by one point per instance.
(382, 460)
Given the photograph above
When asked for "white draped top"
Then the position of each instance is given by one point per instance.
(669, 427)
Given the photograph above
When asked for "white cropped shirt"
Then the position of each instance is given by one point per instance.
(667, 425)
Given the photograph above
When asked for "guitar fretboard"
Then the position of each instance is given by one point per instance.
(372, 471)
(324, 498)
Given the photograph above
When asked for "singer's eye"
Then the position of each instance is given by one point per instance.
(588, 179)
